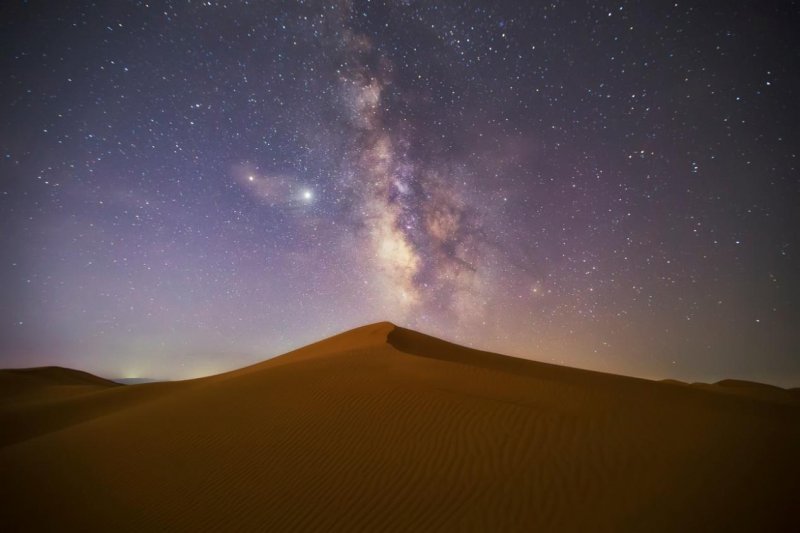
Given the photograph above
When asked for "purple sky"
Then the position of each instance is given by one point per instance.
(187, 188)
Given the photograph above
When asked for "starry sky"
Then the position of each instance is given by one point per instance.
(188, 187)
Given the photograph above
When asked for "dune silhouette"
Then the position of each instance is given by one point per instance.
(383, 428)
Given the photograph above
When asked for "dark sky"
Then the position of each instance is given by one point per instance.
(188, 187)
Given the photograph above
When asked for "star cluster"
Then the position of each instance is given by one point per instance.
(188, 187)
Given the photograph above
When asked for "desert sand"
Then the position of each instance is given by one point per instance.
(382, 428)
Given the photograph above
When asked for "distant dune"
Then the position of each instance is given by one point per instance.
(22, 385)
(382, 428)
(135, 381)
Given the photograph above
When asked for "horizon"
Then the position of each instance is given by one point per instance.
(145, 377)
(190, 189)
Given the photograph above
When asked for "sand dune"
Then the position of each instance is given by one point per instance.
(382, 428)
(26, 386)
(21, 380)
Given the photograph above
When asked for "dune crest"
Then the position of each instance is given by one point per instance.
(384, 428)
(21, 385)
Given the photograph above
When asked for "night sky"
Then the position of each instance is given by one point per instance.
(189, 187)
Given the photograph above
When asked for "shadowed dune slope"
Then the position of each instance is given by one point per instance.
(382, 428)
(49, 376)
(32, 384)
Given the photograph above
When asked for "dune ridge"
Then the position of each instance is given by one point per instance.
(26, 380)
(23, 386)
(384, 428)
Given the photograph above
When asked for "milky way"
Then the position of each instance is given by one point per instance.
(411, 216)
(188, 187)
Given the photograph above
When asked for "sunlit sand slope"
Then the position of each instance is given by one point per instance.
(382, 428)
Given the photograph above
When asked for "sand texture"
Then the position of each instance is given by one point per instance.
(385, 429)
